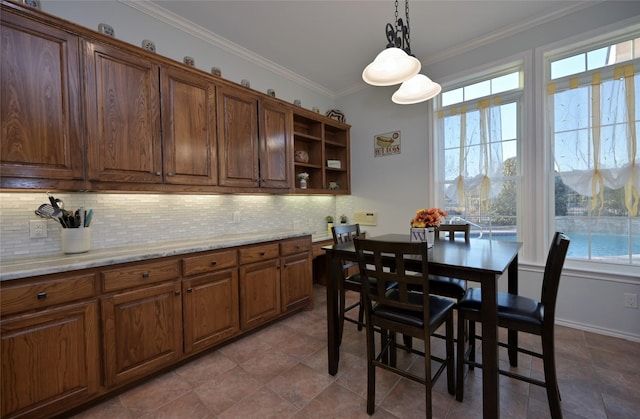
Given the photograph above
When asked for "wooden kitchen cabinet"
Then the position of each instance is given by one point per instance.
(259, 284)
(142, 331)
(253, 141)
(296, 270)
(211, 307)
(50, 344)
(188, 128)
(40, 111)
(123, 115)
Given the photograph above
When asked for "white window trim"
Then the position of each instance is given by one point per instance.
(544, 154)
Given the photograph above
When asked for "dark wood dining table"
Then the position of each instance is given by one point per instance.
(480, 261)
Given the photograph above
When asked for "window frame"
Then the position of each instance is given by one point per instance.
(544, 55)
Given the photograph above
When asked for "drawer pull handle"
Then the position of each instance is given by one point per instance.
(189, 289)
(261, 253)
(42, 295)
(298, 247)
(145, 275)
(177, 292)
(214, 263)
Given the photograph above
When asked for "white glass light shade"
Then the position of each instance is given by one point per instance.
(415, 90)
(391, 66)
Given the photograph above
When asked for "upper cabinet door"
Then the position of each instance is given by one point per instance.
(237, 138)
(123, 116)
(40, 118)
(275, 145)
(188, 128)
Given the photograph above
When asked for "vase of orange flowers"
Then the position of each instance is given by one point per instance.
(424, 224)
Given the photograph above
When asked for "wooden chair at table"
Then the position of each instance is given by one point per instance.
(444, 285)
(523, 315)
(407, 308)
(351, 280)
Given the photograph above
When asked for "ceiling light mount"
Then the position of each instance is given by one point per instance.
(397, 64)
(398, 35)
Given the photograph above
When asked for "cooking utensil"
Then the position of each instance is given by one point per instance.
(48, 211)
(87, 220)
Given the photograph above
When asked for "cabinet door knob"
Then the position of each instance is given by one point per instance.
(177, 292)
(261, 253)
(189, 289)
(42, 295)
(214, 263)
(158, 173)
(170, 174)
(145, 275)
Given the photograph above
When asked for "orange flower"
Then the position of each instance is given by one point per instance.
(430, 217)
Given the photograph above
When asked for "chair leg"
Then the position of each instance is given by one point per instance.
(451, 382)
(550, 377)
(472, 343)
(361, 313)
(342, 307)
(460, 358)
(371, 369)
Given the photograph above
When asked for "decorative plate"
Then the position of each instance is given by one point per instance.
(149, 45)
(301, 156)
(107, 30)
(32, 3)
(336, 114)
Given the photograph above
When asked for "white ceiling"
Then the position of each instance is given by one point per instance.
(330, 42)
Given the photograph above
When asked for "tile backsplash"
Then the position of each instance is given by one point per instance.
(125, 219)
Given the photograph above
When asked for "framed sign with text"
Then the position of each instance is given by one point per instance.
(386, 144)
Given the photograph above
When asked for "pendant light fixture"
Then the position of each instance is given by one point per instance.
(397, 64)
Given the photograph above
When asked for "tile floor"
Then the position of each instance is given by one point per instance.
(281, 372)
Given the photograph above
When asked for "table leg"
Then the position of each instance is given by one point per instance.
(489, 315)
(512, 338)
(333, 329)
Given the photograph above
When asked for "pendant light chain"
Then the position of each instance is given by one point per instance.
(406, 11)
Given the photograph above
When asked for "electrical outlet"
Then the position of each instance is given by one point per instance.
(630, 300)
(37, 229)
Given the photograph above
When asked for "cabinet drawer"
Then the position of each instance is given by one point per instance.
(293, 246)
(258, 253)
(45, 293)
(209, 262)
(140, 274)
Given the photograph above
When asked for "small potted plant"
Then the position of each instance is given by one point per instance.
(304, 177)
(343, 219)
(424, 224)
(329, 220)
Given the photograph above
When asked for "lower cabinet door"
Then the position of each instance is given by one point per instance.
(297, 281)
(50, 360)
(211, 309)
(259, 292)
(142, 331)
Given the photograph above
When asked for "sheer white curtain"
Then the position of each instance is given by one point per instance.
(473, 166)
(595, 143)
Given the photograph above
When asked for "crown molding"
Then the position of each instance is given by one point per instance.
(507, 31)
(171, 19)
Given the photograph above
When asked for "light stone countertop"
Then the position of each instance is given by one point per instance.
(49, 264)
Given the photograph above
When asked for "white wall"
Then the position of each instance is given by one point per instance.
(396, 186)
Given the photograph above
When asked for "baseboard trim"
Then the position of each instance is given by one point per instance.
(598, 330)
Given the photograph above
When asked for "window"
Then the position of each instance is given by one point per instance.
(478, 135)
(593, 117)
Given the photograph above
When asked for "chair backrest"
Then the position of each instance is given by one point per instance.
(345, 233)
(552, 272)
(453, 228)
(409, 270)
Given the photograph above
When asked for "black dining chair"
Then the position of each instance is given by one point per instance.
(407, 308)
(443, 285)
(523, 315)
